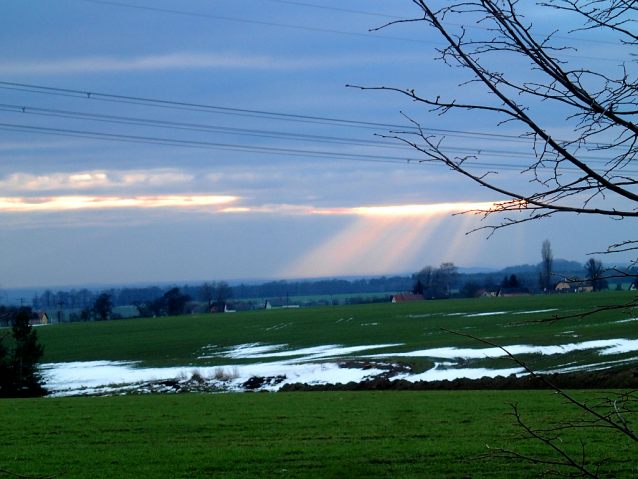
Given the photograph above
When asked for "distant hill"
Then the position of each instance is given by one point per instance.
(558, 266)
(526, 274)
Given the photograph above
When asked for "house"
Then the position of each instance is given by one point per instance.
(42, 318)
(402, 298)
(279, 303)
(221, 307)
(488, 293)
(482, 293)
(565, 287)
(507, 292)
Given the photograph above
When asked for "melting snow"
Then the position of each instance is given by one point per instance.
(306, 365)
(626, 320)
(255, 351)
(439, 373)
(536, 311)
(68, 379)
(607, 346)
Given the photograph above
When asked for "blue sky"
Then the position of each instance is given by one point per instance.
(237, 168)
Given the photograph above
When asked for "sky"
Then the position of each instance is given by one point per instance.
(172, 141)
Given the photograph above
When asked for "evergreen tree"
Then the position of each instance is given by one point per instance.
(4, 365)
(19, 375)
(418, 288)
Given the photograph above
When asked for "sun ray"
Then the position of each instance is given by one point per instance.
(383, 239)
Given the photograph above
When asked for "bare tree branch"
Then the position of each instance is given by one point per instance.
(612, 406)
(601, 107)
(4, 471)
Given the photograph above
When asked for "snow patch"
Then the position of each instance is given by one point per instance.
(606, 347)
(312, 365)
(536, 311)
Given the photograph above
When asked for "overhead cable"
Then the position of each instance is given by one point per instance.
(256, 133)
(243, 111)
(254, 149)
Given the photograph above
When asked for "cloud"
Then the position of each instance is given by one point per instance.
(62, 203)
(407, 210)
(397, 211)
(187, 60)
(23, 182)
(81, 180)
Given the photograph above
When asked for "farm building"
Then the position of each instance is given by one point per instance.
(566, 287)
(402, 298)
(483, 293)
(507, 292)
(279, 303)
(42, 318)
(220, 307)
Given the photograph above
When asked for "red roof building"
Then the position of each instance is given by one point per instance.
(402, 298)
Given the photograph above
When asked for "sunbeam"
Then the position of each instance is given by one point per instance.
(385, 239)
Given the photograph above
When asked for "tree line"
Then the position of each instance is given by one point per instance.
(439, 282)
(219, 291)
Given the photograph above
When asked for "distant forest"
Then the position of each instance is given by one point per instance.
(83, 298)
(526, 276)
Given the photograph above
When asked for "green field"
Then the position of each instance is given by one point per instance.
(180, 341)
(339, 434)
(333, 435)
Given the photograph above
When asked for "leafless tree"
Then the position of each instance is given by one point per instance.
(207, 292)
(593, 273)
(444, 276)
(607, 413)
(600, 107)
(224, 292)
(547, 259)
(425, 276)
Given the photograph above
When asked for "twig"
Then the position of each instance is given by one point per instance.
(31, 477)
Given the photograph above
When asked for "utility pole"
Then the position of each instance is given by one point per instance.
(22, 300)
(60, 304)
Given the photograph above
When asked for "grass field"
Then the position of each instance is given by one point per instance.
(305, 435)
(340, 434)
(181, 341)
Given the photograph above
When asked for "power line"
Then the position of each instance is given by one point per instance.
(395, 17)
(257, 22)
(170, 104)
(256, 149)
(251, 132)
(203, 128)
(191, 126)
(244, 112)
(316, 29)
(202, 144)
(337, 9)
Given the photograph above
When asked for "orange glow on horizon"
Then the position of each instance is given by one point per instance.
(76, 202)
(62, 203)
(406, 210)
